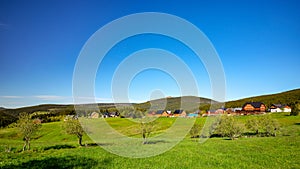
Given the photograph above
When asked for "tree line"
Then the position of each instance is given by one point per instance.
(229, 126)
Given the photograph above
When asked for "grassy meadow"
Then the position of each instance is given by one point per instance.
(53, 148)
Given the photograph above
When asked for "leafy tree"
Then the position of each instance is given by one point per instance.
(147, 127)
(195, 130)
(28, 128)
(228, 127)
(263, 125)
(269, 126)
(73, 127)
(253, 125)
(295, 109)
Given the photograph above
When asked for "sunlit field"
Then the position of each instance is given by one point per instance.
(53, 148)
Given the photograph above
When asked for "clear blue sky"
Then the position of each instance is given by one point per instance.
(258, 43)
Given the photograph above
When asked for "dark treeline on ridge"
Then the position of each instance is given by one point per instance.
(8, 116)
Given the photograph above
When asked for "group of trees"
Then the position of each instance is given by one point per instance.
(263, 126)
(229, 126)
(29, 126)
(225, 126)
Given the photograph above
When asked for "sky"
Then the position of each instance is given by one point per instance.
(258, 43)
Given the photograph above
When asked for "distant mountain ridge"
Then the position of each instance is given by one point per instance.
(8, 116)
(173, 103)
(287, 97)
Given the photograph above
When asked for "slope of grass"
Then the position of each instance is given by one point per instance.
(52, 148)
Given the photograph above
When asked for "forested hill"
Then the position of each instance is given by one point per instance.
(8, 116)
(288, 97)
(173, 103)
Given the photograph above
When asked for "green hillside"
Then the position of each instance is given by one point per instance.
(288, 97)
(173, 103)
(53, 148)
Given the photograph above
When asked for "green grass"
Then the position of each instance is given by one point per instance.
(52, 148)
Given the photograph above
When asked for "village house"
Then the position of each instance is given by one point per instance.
(253, 108)
(179, 113)
(160, 113)
(110, 114)
(280, 108)
(233, 111)
(195, 114)
(70, 117)
(94, 115)
(165, 114)
(213, 112)
(151, 113)
(114, 114)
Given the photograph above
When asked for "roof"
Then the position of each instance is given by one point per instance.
(178, 111)
(114, 113)
(94, 113)
(279, 105)
(254, 104)
(160, 111)
(193, 115)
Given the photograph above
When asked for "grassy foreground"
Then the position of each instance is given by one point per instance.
(54, 149)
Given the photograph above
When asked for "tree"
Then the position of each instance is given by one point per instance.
(28, 128)
(73, 127)
(195, 131)
(263, 125)
(147, 127)
(269, 126)
(295, 109)
(253, 125)
(228, 127)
